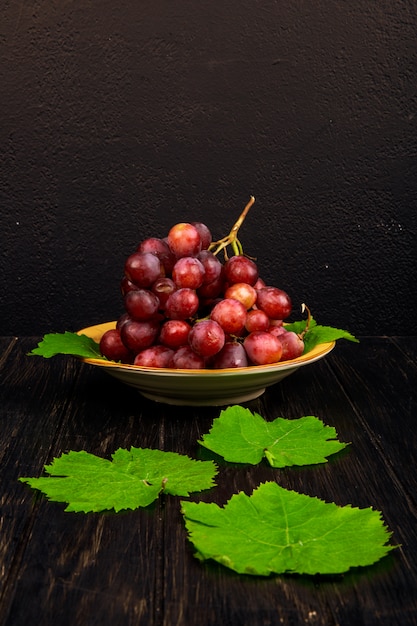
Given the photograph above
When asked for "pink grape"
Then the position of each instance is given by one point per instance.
(206, 338)
(141, 304)
(230, 315)
(262, 348)
(182, 304)
(232, 354)
(139, 335)
(185, 358)
(243, 292)
(112, 347)
(184, 240)
(292, 345)
(155, 356)
(240, 269)
(174, 333)
(188, 272)
(143, 269)
(275, 302)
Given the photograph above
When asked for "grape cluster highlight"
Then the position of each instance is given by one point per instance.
(185, 309)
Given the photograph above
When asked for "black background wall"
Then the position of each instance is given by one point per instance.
(119, 119)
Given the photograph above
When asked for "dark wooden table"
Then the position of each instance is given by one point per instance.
(138, 567)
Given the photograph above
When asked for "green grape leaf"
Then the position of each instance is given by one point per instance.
(323, 334)
(240, 436)
(300, 326)
(276, 531)
(67, 343)
(316, 334)
(133, 478)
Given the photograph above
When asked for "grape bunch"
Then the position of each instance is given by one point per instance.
(185, 308)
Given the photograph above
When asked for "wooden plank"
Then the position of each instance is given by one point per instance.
(138, 567)
(358, 476)
(69, 567)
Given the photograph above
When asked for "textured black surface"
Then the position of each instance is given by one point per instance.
(120, 119)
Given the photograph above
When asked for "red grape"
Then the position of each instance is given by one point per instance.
(141, 304)
(159, 248)
(163, 287)
(184, 240)
(143, 269)
(155, 356)
(127, 285)
(186, 358)
(206, 338)
(139, 335)
(240, 269)
(292, 345)
(233, 354)
(257, 320)
(112, 347)
(188, 272)
(243, 292)
(182, 304)
(230, 315)
(262, 348)
(204, 233)
(211, 290)
(274, 302)
(212, 266)
(174, 333)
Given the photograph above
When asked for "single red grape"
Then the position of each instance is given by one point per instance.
(206, 338)
(204, 233)
(161, 249)
(163, 287)
(230, 315)
(188, 272)
(182, 304)
(143, 269)
(185, 358)
(155, 356)
(240, 269)
(174, 333)
(262, 348)
(141, 304)
(275, 302)
(139, 335)
(184, 240)
(212, 266)
(112, 347)
(292, 345)
(243, 292)
(257, 320)
(233, 354)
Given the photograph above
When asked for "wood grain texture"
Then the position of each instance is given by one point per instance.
(137, 567)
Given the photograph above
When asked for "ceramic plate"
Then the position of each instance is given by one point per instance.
(201, 387)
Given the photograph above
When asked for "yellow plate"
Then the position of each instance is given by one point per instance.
(206, 387)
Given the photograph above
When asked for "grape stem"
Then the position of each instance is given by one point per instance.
(304, 308)
(232, 239)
